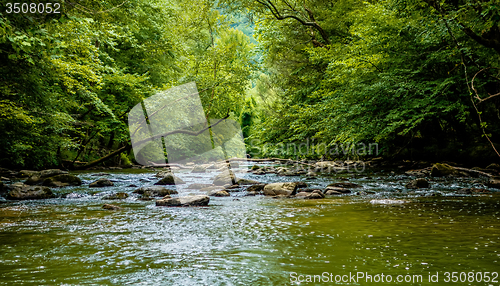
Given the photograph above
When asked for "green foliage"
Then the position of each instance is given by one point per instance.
(393, 73)
(67, 81)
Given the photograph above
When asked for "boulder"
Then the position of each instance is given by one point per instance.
(494, 183)
(154, 191)
(302, 194)
(333, 193)
(34, 180)
(51, 172)
(25, 192)
(316, 194)
(163, 174)
(198, 200)
(246, 182)
(218, 193)
(28, 173)
(199, 169)
(417, 184)
(345, 185)
(257, 188)
(117, 196)
(284, 189)
(225, 177)
(170, 180)
(197, 186)
(62, 180)
(255, 167)
(441, 170)
(111, 207)
(259, 172)
(102, 182)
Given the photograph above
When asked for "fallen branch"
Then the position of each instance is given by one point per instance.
(109, 156)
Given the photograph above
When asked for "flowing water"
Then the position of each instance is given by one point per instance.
(244, 240)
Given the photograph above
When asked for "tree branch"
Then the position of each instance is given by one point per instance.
(180, 131)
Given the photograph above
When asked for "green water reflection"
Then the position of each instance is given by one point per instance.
(249, 241)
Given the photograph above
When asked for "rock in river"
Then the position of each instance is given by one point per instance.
(283, 189)
(226, 177)
(117, 196)
(198, 200)
(111, 207)
(344, 185)
(24, 192)
(154, 191)
(494, 183)
(417, 184)
(218, 193)
(170, 180)
(101, 183)
(441, 170)
(59, 180)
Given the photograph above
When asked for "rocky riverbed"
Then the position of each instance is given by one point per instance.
(253, 224)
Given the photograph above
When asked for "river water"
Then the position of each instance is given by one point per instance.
(254, 240)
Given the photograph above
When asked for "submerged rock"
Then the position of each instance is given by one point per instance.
(284, 189)
(197, 186)
(198, 200)
(101, 183)
(24, 192)
(345, 185)
(170, 180)
(417, 184)
(117, 196)
(333, 193)
(218, 193)
(154, 191)
(334, 190)
(111, 207)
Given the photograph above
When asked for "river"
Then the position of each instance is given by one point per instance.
(253, 240)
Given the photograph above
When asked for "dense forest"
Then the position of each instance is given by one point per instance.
(418, 77)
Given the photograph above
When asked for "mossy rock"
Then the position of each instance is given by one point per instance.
(102, 182)
(23, 192)
(442, 170)
(62, 180)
